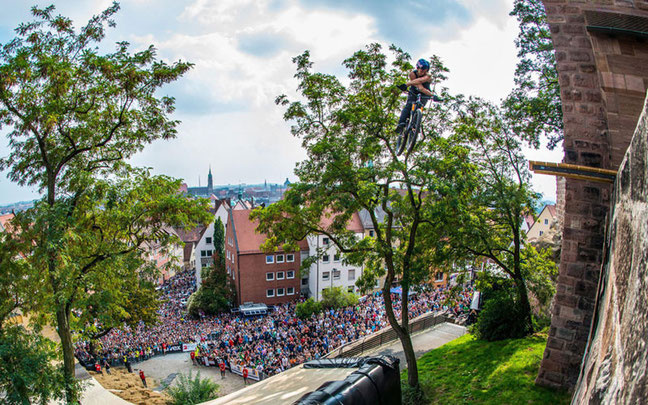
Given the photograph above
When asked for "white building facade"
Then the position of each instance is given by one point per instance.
(204, 249)
(330, 270)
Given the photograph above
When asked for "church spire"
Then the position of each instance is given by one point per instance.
(210, 183)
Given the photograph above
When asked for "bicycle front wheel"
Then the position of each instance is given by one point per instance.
(413, 133)
(401, 141)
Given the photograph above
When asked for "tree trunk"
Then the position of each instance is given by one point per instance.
(63, 323)
(524, 302)
(403, 335)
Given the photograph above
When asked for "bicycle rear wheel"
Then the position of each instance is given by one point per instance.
(414, 130)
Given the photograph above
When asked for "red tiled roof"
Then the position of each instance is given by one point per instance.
(247, 237)
(529, 220)
(191, 235)
(552, 210)
(4, 219)
(354, 225)
(186, 252)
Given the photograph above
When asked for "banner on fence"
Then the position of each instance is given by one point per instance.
(189, 347)
(253, 373)
(174, 348)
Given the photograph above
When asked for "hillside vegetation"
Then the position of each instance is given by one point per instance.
(471, 371)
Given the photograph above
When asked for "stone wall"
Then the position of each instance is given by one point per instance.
(603, 77)
(615, 368)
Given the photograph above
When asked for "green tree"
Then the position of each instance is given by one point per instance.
(192, 390)
(540, 272)
(534, 107)
(219, 238)
(306, 309)
(337, 297)
(75, 117)
(487, 223)
(216, 293)
(28, 370)
(348, 134)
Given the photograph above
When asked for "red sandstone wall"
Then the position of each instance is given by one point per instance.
(615, 369)
(603, 80)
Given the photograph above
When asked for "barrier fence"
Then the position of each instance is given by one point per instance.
(387, 335)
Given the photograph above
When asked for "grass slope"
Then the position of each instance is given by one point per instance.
(471, 371)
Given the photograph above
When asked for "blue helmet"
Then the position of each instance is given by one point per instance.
(422, 64)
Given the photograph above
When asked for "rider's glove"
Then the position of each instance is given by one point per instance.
(436, 98)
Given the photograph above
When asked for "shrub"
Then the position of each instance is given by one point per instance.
(192, 390)
(337, 297)
(501, 317)
(307, 308)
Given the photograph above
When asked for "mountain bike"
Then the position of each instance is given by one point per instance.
(407, 137)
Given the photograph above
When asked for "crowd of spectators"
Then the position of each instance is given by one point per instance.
(268, 344)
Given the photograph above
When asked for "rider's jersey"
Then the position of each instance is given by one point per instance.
(413, 90)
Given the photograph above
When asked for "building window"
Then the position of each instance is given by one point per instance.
(270, 292)
(290, 291)
(227, 253)
(269, 259)
(541, 233)
(352, 274)
(208, 240)
(336, 274)
(269, 276)
(325, 240)
(290, 274)
(438, 277)
(304, 281)
(290, 258)
(280, 258)
(280, 275)
(336, 257)
(209, 253)
(280, 292)
(325, 258)
(372, 234)
(203, 253)
(326, 275)
(546, 222)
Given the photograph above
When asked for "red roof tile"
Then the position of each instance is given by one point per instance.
(4, 219)
(354, 225)
(247, 237)
(191, 235)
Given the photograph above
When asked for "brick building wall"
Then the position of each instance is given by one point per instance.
(254, 272)
(603, 76)
(254, 280)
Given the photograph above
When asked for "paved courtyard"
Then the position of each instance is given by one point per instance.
(165, 369)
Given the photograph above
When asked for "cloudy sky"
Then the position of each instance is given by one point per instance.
(242, 51)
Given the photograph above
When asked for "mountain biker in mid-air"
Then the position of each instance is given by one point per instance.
(419, 82)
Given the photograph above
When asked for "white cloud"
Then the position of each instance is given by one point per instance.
(481, 60)
(242, 51)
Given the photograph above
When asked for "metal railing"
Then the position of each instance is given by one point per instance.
(387, 335)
